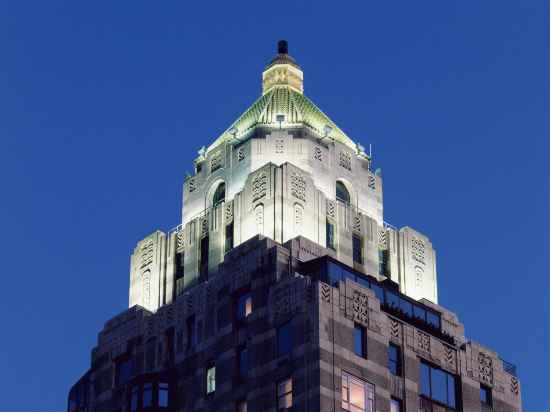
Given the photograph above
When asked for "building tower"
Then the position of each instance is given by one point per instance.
(284, 289)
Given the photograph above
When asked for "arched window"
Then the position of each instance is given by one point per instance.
(219, 195)
(342, 193)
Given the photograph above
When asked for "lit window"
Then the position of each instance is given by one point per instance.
(330, 236)
(211, 379)
(241, 406)
(357, 395)
(357, 249)
(284, 339)
(395, 405)
(147, 395)
(437, 384)
(284, 394)
(134, 399)
(244, 305)
(394, 359)
(359, 341)
(485, 395)
(163, 395)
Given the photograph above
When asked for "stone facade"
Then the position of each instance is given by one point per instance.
(283, 288)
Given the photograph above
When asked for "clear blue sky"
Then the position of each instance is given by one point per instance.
(104, 104)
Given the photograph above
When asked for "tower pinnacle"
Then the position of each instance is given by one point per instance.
(283, 71)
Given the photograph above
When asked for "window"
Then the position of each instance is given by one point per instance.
(284, 339)
(357, 395)
(284, 394)
(394, 359)
(124, 371)
(357, 249)
(191, 332)
(342, 193)
(485, 395)
(383, 262)
(241, 406)
(243, 363)
(437, 385)
(134, 399)
(360, 341)
(244, 305)
(211, 379)
(228, 237)
(163, 395)
(203, 258)
(179, 265)
(330, 236)
(219, 195)
(147, 395)
(395, 405)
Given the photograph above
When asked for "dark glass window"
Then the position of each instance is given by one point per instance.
(419, 313)
(204, 257)
(284, 394)
(342, 193)
(228, 237)
(244, 305)
(147, 395)
(191, 336)
(284, 339)
(134, 399)
(219, 195)
(179, 265)
(392, 300)
(438, 385)
(359, 341)
(243, 363)
(357, 249)
(394, 359)
(330, 236)
(124, 371)
(485, 395)
(163, 395)
(406, 307)
(433, 319)
(383, 262)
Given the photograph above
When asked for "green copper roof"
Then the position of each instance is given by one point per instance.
(297, 109)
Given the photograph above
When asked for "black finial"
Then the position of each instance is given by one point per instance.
(282, 47)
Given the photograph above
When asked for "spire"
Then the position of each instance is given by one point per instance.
(283, 71)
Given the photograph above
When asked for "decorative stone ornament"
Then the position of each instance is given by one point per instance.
(298, 186)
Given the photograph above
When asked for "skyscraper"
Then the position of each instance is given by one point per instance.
(284, 289)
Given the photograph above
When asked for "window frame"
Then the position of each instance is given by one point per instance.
(289, 336)
(433, 396)
(362, 331)
(489, 395)
(357, 248)
(397, 362)
(369, 393)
